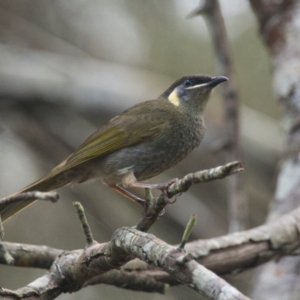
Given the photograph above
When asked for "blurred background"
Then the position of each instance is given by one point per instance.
(67, 67)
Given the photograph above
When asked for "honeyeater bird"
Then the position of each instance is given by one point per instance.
(140, 143)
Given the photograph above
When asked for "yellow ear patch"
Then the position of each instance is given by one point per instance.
(173, 98)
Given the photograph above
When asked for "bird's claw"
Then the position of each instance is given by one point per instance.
(168, 200)
(162, 212)
(172, 201)
(164, 189)
(166, 185)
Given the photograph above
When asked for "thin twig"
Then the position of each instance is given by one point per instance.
(35, 195)
(49, 196)
(182, 185)
(84, 223)
(187, 232)
(188, 180)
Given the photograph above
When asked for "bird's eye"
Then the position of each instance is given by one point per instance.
(187, 83)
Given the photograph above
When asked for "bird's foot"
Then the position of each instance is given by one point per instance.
(157, 186)
(163, 187)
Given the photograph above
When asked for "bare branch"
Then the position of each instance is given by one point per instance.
(227, 254)
(130, 281)
(31, 256)
(35, 195)
(221, 172)
(237, 208)
(52, 196)
(71, 270)
(236, 252)
(279, 25)
(85, 225)
(153, 211)
(156, 252)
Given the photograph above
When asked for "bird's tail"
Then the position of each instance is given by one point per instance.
(44, 184)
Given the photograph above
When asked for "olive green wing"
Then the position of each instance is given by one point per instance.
(122, 131)
(134, 126)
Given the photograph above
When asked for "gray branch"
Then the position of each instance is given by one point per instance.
(227, 254)
(237, 208)
(71, 270)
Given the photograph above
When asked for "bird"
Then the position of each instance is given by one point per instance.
(140, 143)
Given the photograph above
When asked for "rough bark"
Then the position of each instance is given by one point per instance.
(280, 30)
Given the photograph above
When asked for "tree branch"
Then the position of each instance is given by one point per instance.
(226, 254)
(279, 25)
(71, 270)
(237, 207)
(156, 252)
(182, 185)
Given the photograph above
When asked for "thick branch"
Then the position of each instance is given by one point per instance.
(31, 256)
(236, 252)
(71, 270)
(130, 281)
(279, 25)
(156, 252)
(227, 254)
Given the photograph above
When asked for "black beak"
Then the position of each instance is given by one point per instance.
(216, 80)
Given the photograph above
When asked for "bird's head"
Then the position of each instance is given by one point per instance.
(192, 92)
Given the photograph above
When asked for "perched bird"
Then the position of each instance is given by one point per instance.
(142, 142)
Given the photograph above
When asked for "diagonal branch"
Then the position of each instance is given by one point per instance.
(226, 254)
(182, 185)
(156, 252)
(71, 270)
